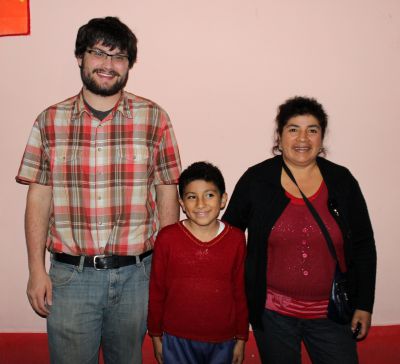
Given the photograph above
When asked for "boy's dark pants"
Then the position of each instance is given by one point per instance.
(184, 351)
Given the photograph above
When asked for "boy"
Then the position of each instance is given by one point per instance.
(197, 305)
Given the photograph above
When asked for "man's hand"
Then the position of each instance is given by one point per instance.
(157, 346)
(364, 319)
(238, 352)
(39, 292)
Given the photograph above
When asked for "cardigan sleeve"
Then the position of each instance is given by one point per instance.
(238, 211)
(363, 248)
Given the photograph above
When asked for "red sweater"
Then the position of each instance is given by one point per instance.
(196, 288)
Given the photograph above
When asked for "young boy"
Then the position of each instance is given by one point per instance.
(197, 306)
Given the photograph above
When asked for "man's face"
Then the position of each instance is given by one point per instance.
(101, 74)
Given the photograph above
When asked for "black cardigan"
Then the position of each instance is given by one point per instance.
(259, 199)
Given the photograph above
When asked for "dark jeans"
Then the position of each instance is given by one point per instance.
(326, 341)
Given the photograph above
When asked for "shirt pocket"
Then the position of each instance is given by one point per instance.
(64, 159)
(66, 155)
(134, 153)
(134, 168)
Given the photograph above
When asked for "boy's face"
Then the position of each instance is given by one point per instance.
(202, 202)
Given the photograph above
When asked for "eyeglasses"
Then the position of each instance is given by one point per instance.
(101, 55)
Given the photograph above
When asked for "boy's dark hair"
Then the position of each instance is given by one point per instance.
(203, 171)
(296, 106)
(109, 31)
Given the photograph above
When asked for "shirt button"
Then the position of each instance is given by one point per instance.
(304, 242)
(99, 149)
(99, 198)
(305, 273)
(100, 223)
(304, 255)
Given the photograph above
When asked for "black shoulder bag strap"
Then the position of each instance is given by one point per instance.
(315, 214)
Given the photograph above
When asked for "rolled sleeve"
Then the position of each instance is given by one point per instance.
(35, 164)
(167, 160)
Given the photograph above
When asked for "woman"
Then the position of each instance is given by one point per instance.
(289, 269)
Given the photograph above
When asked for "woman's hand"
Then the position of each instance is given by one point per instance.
(238, 352)
(364, 319)
(157, 346)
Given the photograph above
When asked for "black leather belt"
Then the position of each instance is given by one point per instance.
(101, 261)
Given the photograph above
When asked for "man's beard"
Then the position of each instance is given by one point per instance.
(95, 88)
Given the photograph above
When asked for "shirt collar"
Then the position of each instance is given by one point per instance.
(122, 106)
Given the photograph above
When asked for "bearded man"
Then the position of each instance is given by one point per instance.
(102, 169)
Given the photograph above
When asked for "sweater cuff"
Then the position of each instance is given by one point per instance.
(242, 337)
(155, 334)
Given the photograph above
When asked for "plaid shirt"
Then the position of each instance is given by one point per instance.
(103, 174)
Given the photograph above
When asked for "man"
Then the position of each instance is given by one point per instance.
(102, 169)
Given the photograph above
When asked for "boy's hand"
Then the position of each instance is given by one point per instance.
(238, 352)
(157, 346)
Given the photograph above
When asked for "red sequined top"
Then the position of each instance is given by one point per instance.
(300, 266)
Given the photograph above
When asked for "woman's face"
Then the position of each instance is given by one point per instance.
(301, 140)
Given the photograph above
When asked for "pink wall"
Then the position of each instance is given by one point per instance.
(220, 68)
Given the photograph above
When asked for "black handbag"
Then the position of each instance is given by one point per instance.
(339, 306)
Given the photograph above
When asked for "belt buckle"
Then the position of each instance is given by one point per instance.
(95, 261)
